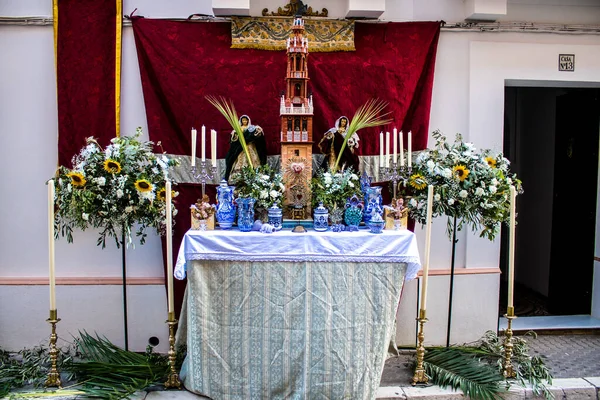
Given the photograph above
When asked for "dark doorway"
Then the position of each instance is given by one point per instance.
(551, 136)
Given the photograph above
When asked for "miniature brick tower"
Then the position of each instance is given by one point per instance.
(296, 112)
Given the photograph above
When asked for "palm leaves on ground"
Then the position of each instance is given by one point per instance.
(227, 108)
(366, 116)
(477, 369)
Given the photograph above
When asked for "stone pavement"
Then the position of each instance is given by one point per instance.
(574, 361)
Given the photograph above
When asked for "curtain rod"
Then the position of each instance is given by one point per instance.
(520, 27)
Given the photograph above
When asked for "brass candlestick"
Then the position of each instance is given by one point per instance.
(420, 375)
(509, 371)
(53, 379)
(173, 378)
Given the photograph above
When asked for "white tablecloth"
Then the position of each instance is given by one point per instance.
(362, 246)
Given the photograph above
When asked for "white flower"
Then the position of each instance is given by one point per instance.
(447, 173)
(101, 181)
(274, 194)
(119, 193)
(494, 182)
(263, 194)
(85, 216)
(281, 186)
(265, 178)
(463, 194)
(450, 201)
(69, 188)
(430, 165)
(354, 177)
(413, 202)
(492, 189)
(479, 192)
(437, 197)
(509, 181)
(350, 184)
(128, 209)
(327, 179)
(147, 195)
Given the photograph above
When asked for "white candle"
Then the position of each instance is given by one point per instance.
(169, 247)
(52, 277)
(381, 145)
(395, 145)
(203, 144)
(401, 149)
(511, 247)
(387, 149)
(427, 247)
(213, 147)
(193, 147)
(409, 149)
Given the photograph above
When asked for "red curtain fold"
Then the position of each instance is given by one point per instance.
(181, 62)
(86, 41)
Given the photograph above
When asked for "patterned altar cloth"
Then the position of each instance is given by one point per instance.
(281, 329)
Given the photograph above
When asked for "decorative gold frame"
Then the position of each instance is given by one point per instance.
(291, 9)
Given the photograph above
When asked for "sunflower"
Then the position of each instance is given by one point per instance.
(162, 194)
(77, 179)
(418, 181)
(461, 172)
(142, 185)
(112, 166)
(491, 161)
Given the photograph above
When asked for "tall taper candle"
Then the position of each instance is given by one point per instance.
(52, 277)
(193, 147)
(427, 247)
(213, 147)
(395, 146)
(511, 247)
(387, 149)
(203, 144)
(401, 149)
(169, 234)
(381, 146)
(409, 149)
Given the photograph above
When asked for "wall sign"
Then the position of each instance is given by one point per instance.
(566, 62)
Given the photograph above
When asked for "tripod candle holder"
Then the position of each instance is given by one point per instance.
(173, 378)
(507, 366)
(420, 377)
(53, 379)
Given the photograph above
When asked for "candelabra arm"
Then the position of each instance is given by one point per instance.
(173, 378)
(53, 379)
(420, 377)
(203, 174)
(508, 368)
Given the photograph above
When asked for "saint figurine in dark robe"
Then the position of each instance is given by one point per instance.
(331, 145)
(236, 159)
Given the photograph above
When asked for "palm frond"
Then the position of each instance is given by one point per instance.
(455, 368)
(367, 116)
(227, 108)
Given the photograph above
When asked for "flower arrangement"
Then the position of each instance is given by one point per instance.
(263, 184)
(112, 189)
(334, 189)
(202, 209)
(469, 185)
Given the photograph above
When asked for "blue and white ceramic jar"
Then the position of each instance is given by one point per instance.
(354, 213)
(320, 220)
(373, 202)
(275, 217)
(245, 213)
(225, 206)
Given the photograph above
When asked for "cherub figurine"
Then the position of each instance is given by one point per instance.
(331, 145)
(235, 159)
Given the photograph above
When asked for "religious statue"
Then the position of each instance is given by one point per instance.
(235, 159)
(331, 144)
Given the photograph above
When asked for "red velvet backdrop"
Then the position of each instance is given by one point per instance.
(86, 53)
(182, 62)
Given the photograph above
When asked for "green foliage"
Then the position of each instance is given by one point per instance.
(264, 184)
(333, 189)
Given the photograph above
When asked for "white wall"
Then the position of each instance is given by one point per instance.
(468, 92)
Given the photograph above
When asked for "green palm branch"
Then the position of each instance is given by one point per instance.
(366, 116)
(227, 108)
(459, 369)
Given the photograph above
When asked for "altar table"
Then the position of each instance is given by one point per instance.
(290, 315)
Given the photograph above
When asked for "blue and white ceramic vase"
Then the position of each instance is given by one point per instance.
(354, 213)
(376, 223)
(275, 217)
(225, 206)
(373, 202)
(320, 220)
(245, 213)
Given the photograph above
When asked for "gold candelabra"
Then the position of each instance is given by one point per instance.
(509, 371)
(53, 379)
(420, 376)
(173, 378)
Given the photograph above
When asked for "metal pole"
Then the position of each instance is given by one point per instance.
(124, 264)
(451, 284)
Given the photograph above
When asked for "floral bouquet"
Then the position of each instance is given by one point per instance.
(264, 184)
(112, 189)
(333, 190)
(469, 185)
